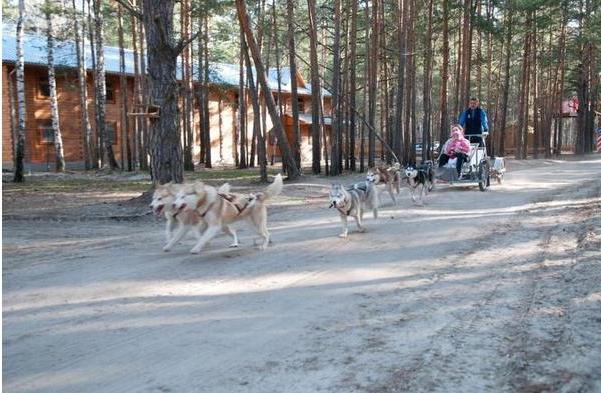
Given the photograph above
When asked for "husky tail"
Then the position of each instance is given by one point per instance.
(273, 189)
(224, 188)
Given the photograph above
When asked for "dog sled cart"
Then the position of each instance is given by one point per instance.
(476, 170)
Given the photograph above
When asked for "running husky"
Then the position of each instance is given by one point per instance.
(421, 176)
(179, 223)
(218, 209)
(391, 177)
(352, 201)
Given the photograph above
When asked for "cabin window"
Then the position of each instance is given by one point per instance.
(46, 132)
(43, 87)
(301, 105)
(111, 132)
(110, 92)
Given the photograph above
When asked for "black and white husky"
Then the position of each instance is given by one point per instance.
(421, 177)
(352, 201)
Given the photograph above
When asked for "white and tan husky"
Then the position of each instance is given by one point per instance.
(389, 176)
(218, 210)
(179, 223)
(353, 201)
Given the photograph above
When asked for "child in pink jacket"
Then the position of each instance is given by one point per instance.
(456, 147)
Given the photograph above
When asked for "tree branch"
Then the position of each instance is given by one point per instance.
(131, 8)
(181, 44)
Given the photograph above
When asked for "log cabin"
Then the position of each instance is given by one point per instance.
(223, 105)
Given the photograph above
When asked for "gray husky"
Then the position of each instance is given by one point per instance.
(352, 201)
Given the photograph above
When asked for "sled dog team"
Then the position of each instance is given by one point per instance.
(206, 210)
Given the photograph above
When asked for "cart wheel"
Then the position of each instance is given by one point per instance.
(483, 176)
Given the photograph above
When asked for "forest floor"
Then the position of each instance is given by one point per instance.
(495, 291)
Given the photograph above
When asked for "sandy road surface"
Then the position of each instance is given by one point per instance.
(475, 292)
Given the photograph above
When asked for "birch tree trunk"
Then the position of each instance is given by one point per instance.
(20, 86)
(58, 139)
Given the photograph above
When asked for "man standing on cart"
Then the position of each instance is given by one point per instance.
(474, 122)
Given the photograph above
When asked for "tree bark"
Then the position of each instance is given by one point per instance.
(165, 147)
(293, 83)
(86, 128)
(336, 142)
(242, 111)
(262, 158)
(58, 139)
(287, 157)
(187, 87)
(398, 140)
(444, 114)
(508, 36)
(108, 155)
(373, 83)
(125, 145)
(206, 118)
(427, 94)
(20, 87)
(315, 90)
(353, 85)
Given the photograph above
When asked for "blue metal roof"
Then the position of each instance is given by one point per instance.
(65, 56)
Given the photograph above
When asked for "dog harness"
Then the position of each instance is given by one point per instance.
(231, 200)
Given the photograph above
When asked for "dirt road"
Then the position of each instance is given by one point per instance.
(475, 292)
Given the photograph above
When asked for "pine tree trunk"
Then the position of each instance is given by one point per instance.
(206, 118)
(58, 139)
(242, 104)
(522, 128)
(108, 155)
(427, 95)
(125, 128)
(399, 140)
(466, 51)
(409, 133)
(19, 156)
(293, 83)
(353, 86)
(137, 99)
(165, 147)
(316, 128)
(336, 142)
(262, 158)
(86, 127)
(508, 36)
(95, 140)
(145, 92)
(444, 114)
(287, 157)
(187, 88)
(373, 83)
